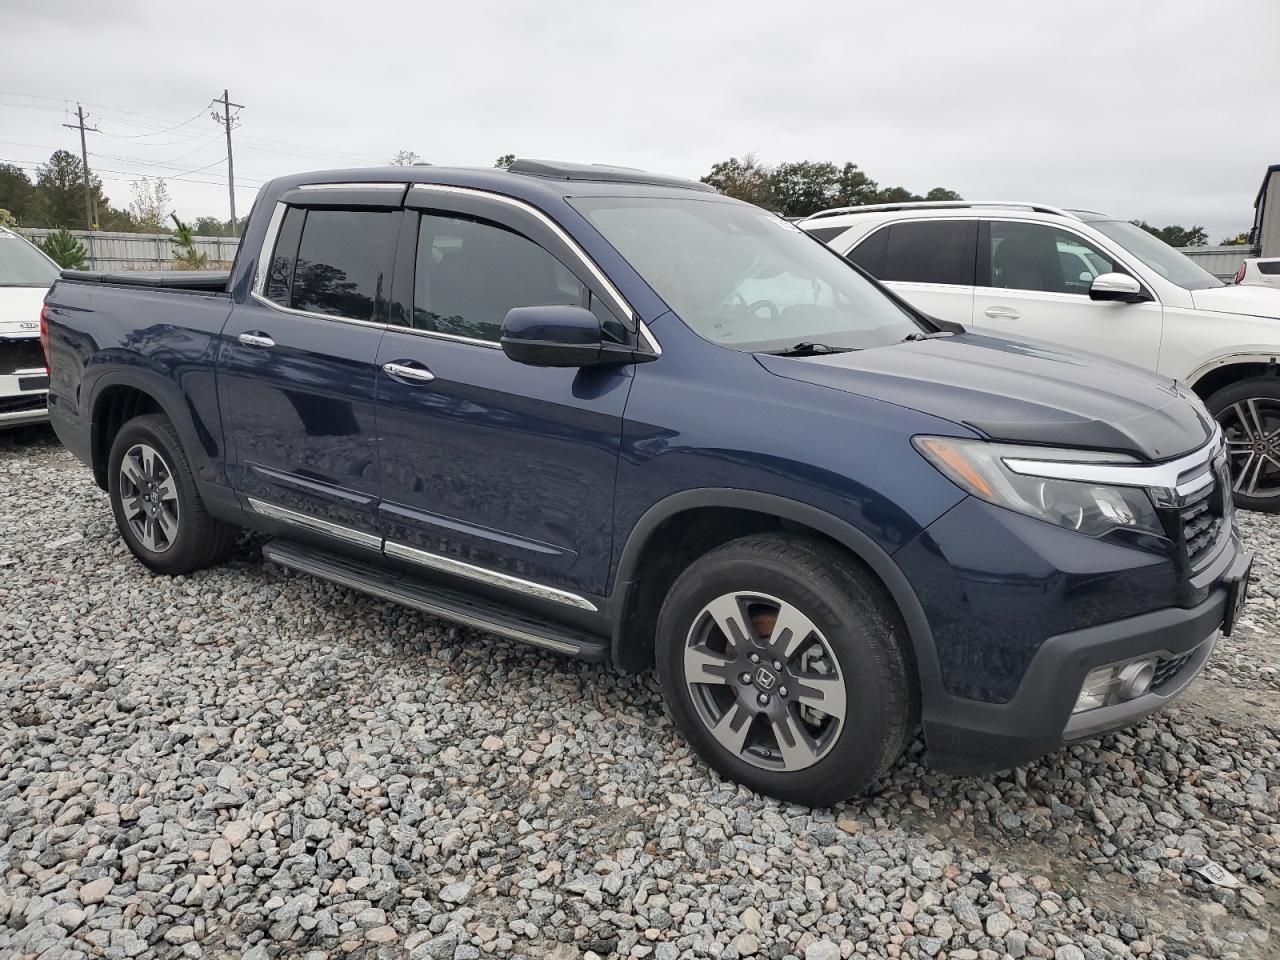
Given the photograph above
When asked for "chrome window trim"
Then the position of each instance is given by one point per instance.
(268, 248)
(284, 515)
(1152, 476)
(317, 316)
(437, 335)
(470, 571)
(613, 292)
(351, 186)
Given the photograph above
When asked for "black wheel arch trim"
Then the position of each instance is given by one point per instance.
(854, 540)
(196, 443)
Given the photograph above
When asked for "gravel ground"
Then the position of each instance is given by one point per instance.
(249, 762)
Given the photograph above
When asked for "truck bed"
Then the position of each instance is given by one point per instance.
(202, 281)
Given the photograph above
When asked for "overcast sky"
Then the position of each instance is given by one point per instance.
(1163, 110)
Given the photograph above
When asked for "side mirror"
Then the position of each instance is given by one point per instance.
(1117, 287)
(563, 336)
(552, 336)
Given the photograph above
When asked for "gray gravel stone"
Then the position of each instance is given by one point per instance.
(246, 762)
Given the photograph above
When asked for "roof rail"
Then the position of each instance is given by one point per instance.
(601, 173)
(943, 205)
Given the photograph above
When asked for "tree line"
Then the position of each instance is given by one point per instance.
(793, 189)
(55, 198)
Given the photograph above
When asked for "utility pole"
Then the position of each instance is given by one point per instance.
(89, 213)
(226, 119)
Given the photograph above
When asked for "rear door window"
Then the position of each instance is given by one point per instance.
(920, 251)
(332, 261)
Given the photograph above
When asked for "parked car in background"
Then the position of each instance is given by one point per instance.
(620, 417)
(1092, 283)
(25, 276)
(1260, 271)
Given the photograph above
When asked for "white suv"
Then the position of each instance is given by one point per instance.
(25, 276)
(1086, 280)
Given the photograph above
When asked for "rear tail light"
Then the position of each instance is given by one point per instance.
(44, 336)
(1240, 273)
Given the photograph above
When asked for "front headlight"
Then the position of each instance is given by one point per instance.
(978, 468)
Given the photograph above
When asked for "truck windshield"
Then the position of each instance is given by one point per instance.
(1158, 255)
(744, 278)
(22, 265)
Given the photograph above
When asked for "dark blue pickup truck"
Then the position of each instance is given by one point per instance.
(621, 417)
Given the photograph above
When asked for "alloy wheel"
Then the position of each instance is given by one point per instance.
(1252, 431)
(149, 496)
(764, 681)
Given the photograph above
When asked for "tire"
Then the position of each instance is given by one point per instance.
(851, 660)
(161, 517)
(1249, 414)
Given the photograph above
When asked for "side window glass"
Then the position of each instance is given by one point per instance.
(930, 251)
(280, 272)
(1033, 256)
(340, 261)
(825, 234)
(469, 273)
(869, 254)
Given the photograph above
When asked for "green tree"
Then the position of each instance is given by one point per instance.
(212, 227)
(404, 158)
(150, 205)
(64, 250)
(803, 187)
(185, 253)
(7, 219)
(897, 195)
(744, 179)
(60, 183)
(1176, 235)
(854, 188)
(17, 193)
(1239, 240)
(942, 193)
(505, 161)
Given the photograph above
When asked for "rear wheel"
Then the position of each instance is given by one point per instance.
(1249, 414)
(156, 504)
(783, 663)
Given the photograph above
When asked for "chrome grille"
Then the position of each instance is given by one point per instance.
(1201, 523)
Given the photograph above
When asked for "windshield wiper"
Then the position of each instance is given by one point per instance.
(807, 348)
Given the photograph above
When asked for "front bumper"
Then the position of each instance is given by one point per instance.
(24, 382)
(973, 737)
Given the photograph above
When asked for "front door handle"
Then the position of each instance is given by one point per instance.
(258, 339)
(1002, 313)
(408, 370)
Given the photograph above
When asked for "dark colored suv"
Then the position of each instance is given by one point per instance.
(621, 417)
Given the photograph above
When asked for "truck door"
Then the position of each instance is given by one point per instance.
(297, 363)
(494, 471)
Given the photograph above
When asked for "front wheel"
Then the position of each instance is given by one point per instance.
(784, 665)
(1249, 414)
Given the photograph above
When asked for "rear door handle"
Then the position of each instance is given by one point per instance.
(258, 339)
(1002, 313)
(408, 370)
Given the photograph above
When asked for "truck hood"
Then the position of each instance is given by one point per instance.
(20, 311)
(1247, 299)
(1018, 391)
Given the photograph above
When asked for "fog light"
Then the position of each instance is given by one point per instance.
(1106, 686)
(1135, 679)
(1098, 689)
